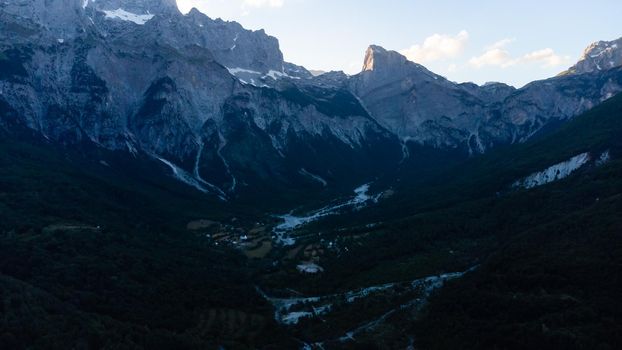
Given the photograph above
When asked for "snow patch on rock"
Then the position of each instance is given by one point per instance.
(123, 15)
(554, 173)
(276, 75)
(237, 71)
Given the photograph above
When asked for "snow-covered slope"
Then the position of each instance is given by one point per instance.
(554, 172)
(562, 170)
(123, 15)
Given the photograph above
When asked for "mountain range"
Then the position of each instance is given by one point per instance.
(222, 111)
(169, 181)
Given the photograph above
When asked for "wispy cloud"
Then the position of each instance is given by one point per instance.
(547, 57)
(493, 57)
(498, 56)
(437, 47)
(500, 44)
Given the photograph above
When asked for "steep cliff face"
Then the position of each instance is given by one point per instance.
(234, 46)
(143, 78)
(219, 103)
(420, 106)
(550, 102)
(599, 56)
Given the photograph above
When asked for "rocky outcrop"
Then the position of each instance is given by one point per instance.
(420, 106)
(417, 104)
(219, 105)
(143, 78)
(235, 47)
(548, 103)
(599, 56)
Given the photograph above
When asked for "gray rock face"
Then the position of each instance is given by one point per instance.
(235, 47)
(145, 78)
(419, 105)
(423, 107)
(599, 56)
(533, 108)
(55, 19)
(331, 79)
(218, 104)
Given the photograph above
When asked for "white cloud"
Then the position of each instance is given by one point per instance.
(496, 55)
(493, 57)
(500, 44)
(437, 47)
(547, 57)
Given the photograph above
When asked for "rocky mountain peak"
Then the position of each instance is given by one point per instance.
(384, 65)
(249, 55)
(378, 58)
(599, 56)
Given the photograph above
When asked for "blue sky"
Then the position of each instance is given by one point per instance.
(510, 41)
